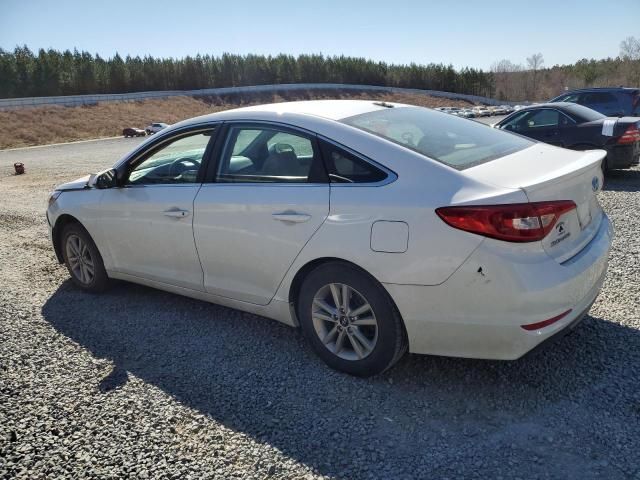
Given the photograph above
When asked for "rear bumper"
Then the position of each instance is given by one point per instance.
(479, 310)
(549, 341)
(623, 156)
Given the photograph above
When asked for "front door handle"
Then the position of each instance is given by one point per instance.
(176, 212)
(292, 217)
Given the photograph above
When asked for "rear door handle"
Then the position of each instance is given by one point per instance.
(292, 217)
(176, 212)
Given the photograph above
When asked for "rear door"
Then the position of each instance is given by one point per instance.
(267, 195)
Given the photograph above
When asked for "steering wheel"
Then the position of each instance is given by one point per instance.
(181, 165)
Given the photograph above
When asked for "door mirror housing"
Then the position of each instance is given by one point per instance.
(107, 179)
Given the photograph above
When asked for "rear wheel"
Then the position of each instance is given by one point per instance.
(83, 260)
(350, 320)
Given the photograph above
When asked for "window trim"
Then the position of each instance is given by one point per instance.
(390, 178)
(222, 147)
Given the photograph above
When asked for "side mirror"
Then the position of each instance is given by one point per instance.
(107, 179)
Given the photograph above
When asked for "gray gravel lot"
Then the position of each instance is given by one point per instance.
(137, 383)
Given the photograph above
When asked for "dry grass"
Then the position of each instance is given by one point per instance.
(45, 125)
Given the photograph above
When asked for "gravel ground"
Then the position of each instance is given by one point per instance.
(137, 383)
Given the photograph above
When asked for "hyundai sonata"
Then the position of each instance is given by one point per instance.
(376, 227)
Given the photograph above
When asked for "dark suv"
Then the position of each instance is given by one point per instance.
(612, 102)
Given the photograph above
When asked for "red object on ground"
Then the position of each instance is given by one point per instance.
(19, 167)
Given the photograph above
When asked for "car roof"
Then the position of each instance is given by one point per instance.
(328, 109)
(601, 89)
(559, 105)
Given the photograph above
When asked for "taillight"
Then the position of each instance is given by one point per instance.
(516, 222)
(631, 135)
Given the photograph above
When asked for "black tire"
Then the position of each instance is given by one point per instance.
(99, 281)
(391, 343)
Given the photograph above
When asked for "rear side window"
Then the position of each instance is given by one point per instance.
(603, 102)
(344, 167)
(456, 142)
(635, 103)
(630, 102)
(543, 118)
(269, 155)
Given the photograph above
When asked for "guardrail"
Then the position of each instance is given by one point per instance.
(76, 100)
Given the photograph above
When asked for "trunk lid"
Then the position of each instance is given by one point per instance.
(548, 173)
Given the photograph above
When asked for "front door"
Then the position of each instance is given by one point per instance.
(147, 223)
(269, 196)
(543, 124)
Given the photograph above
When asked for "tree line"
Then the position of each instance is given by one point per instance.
(24, 73)
(515, 81)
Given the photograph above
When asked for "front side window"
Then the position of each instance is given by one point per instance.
(451, 140)
(531, 120)
(572, 98)
(268, 155)
(543, 118)
(175, 162)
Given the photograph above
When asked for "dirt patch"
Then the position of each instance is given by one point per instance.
(54, 124)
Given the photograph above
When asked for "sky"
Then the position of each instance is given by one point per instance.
(458, 32)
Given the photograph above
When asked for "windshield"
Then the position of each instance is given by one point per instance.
(584, 113)
(451, 140)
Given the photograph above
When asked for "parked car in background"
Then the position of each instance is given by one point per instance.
(579, 128)
(133, 132)
(481, 111)
(612, 102)
(507, 109)
(451, 110)
(303, 211)
(155, 128)
(466, 113)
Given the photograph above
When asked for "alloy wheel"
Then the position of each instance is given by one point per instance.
(344, 321)
(80, 260)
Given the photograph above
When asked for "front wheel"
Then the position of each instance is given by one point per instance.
(82, 259)
(350, 320)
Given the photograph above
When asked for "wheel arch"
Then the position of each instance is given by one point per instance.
(62, 221)
(296, 284)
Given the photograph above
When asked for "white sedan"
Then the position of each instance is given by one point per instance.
(155, 128)
(376, 227)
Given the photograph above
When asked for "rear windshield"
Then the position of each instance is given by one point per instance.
(583, 113)
(454, 141)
